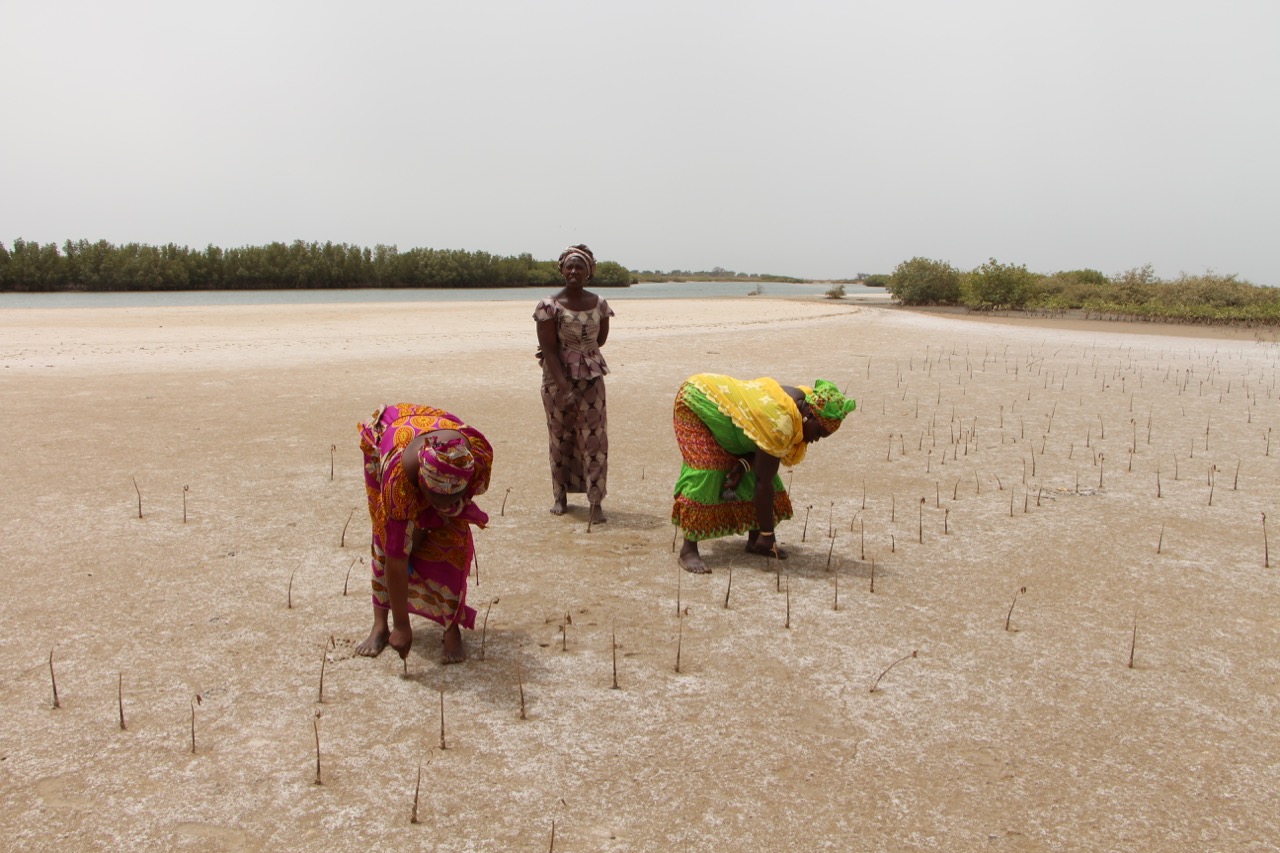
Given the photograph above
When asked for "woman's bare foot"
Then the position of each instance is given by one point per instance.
(374, 643)
(378, 634)
(559, 506)
(691, 560)
(454, 650)
(597, 514)
(770, 550)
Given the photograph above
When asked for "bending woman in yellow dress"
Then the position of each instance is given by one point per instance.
(733, 435)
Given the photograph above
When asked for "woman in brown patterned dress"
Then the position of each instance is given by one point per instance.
(572, 326)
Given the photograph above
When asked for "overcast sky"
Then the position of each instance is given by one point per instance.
(817, 138)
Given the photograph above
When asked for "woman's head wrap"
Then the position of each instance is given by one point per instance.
(581, 252)
(828, 405)
(445, 468)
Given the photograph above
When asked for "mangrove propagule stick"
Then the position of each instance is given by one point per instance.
(417, 788)
(1009, 615)
(1160, 541)
(787, 624)
(324, 658)
(442, 743)
(342, 543)
(503, 512)
(804, 531)
(290, 591)
(728, 589)
(1133, 643)
(120, 698)
(185, 489)
(54, 679)
(614, 646)
(679, 640)
(347, 579)
(875, 684)
(139, 491)
(520, 685)
(829, 550)
(484, 626)
(315, 726)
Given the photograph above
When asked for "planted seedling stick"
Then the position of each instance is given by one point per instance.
(921, 521)
(804, 531)
(679, 582)
(120, 698)
(139, 491)
(193, 723)
(290, 592)
(332, 448)
(503, 512)
(873, 576)
(1160, 541)
(1133, 644)
(417, 788)
(1235, 484)
(674, 533)
(831, 520)
(1009, 615)
(829, 550)
(185, 489)
(348, 577)
(520, 684)
(564, 631)
(315, 725)
(728, 589)
(54, 679)
(1212, 470)
(679, 640)
(614, 645)
(787, 624)
(324, 658)
(484, 626)
(442, 743)
(875, 684)
(342, 543)
(552, 848)
(1266, 564)
(835, 603)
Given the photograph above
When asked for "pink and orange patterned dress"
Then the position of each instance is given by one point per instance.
(441, 563)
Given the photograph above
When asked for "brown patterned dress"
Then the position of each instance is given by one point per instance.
(577, 433)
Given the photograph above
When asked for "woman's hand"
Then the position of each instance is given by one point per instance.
(401, 639)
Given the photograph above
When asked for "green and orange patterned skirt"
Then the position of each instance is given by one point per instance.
(710, 444)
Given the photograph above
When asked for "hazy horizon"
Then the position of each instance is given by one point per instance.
(810, 139)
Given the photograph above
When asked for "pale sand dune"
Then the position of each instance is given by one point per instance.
(1017, 437)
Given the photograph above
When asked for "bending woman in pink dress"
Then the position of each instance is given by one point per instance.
(422, 468)
(572, 326)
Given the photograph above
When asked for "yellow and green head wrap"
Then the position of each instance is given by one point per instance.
(828, 405)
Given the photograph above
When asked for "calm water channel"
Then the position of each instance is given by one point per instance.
(164, 299)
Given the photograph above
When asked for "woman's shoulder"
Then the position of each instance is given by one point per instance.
(547, 309)
(602, 305)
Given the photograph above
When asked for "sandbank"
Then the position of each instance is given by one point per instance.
(1044, 545)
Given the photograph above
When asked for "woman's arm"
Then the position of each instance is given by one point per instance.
(603, 335)
(549, 340)
(397, 578)
(765, 468)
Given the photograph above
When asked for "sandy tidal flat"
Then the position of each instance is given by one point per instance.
(1015, 513)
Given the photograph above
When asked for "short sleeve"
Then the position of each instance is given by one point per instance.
(547, 309)
(605, 310)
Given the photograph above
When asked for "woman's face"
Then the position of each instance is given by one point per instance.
(574, 271)
(813, 430)
(445, 504)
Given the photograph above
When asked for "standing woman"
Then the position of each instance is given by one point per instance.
(572, 326)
